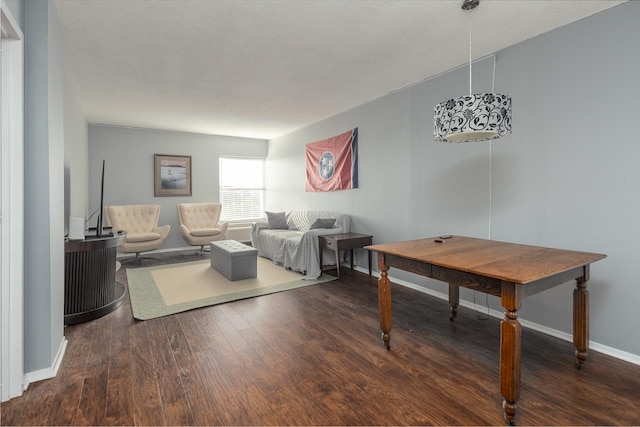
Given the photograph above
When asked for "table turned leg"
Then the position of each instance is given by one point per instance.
(384, 302)
(510, 349)
(454, 300)
(581, 321)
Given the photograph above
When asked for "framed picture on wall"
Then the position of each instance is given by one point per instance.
(172, 175)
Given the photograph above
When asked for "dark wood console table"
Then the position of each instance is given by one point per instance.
(90, 287)
(344, 241)
(506, 270)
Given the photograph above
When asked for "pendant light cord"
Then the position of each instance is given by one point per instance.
(470, 62)
(493, 79)
(493, 90)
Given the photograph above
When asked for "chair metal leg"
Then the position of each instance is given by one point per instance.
(138, 259)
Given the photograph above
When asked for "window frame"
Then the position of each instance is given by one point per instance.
(221, 189)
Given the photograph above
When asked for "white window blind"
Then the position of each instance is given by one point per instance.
(241, 189)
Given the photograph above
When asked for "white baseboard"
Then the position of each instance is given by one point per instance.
(601, 348)
(47, 373)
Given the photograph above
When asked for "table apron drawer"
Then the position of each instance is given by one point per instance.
(468, 280)
(411, 266)
(356, 243)
(331, 244)
(352, 243)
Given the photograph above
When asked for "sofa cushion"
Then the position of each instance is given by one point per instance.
(300, 220)
(323, 223)
(277, 220)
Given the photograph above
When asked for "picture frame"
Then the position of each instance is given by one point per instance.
(172, 175)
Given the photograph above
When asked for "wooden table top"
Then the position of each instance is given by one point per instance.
(511, 262)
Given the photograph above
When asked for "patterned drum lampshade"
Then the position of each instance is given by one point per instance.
(471, 118)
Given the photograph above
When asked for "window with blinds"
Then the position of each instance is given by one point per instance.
(241, 189)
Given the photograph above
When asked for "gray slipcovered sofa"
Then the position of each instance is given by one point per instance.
(296, 246)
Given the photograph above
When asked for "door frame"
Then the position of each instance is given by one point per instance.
(11, 208)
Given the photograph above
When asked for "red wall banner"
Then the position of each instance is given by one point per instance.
(332, 164)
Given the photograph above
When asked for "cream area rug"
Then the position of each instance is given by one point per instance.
(169, 289)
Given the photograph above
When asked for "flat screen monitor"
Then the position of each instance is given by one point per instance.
(101, 211)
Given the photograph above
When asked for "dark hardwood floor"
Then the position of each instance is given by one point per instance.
(313, 356)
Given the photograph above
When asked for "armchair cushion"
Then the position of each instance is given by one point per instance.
(142, 237)
(201, 232)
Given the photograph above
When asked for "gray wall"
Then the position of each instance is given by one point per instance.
(129, 155)
(44, 187)
(76, 153)
(567, 177)
(572, 177)
(17, 11)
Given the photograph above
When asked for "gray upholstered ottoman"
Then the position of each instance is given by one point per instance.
(234, 260)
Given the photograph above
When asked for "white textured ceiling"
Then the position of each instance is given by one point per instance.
(264, 68)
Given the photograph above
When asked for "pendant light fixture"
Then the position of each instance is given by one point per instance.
(473, 117)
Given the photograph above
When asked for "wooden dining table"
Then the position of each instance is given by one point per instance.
(508, 271)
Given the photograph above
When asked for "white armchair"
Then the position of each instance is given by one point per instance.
(199, 223)
(141, 224)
